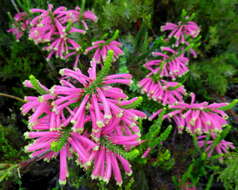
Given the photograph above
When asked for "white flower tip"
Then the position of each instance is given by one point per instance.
(129, 173)
(26, 149)
(119, 183)
(100, 124)
(106, 180)
(26, 135)
(107, 116)
(87, 164)
(61, 72)
(73, 121)
(46, 160)
(41, 99)
(52, 89)
(96, 148)
(135, 118)
(93, 177)
(120, 114)
(62, 182)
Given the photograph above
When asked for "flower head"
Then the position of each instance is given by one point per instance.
(102, 47)
(166, 65)
(106, 159)
(50, 144)
(20, 25)
(55, 26)
(85, 116)
(198, 117)
(181, 30)
(162, 91)
(221, 148)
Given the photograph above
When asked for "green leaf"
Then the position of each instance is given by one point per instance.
(161, 138)
(57, 145)
(104, 71)
(36, 84)
(221, 136)
(229, 106)
(134, 104)
(155, 127)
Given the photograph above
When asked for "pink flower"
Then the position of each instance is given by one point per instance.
(106, 162)
(102, 47)
(53, 26)
(162, 91)
(167, 66)
(42, 144)
(146, 153)
(79, 115)
(181, 31)
(103, 103)
(56, 28)
(20, 25)
(221, 148)
(198, 117)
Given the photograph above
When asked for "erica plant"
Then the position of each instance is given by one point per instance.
(91, 117)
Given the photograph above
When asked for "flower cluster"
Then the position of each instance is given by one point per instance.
(181, 30)
(59, 31)
(221, 148)
(81, 145)
(81, 114)
(55, 27)
(163, 91)
(198, 118)
(194, 118)
(167, 66)
(20, 25)
(87, 117)
(101, 47)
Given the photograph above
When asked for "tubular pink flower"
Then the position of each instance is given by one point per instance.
(115, 169)
(164, 92)
(106, 163)
(145, 154)
(167, 67)
(63, 165)
(90, 15)
(198, 117)
(80, 144)
(43, 116)
(102, 47)
(118, 131)
(20, 25)
(180, 31)
(77, 115)
(54, 27)
(221, 148)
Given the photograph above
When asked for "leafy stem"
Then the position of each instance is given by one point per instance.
(105, 70)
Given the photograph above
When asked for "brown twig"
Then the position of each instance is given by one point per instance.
(13, 97)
